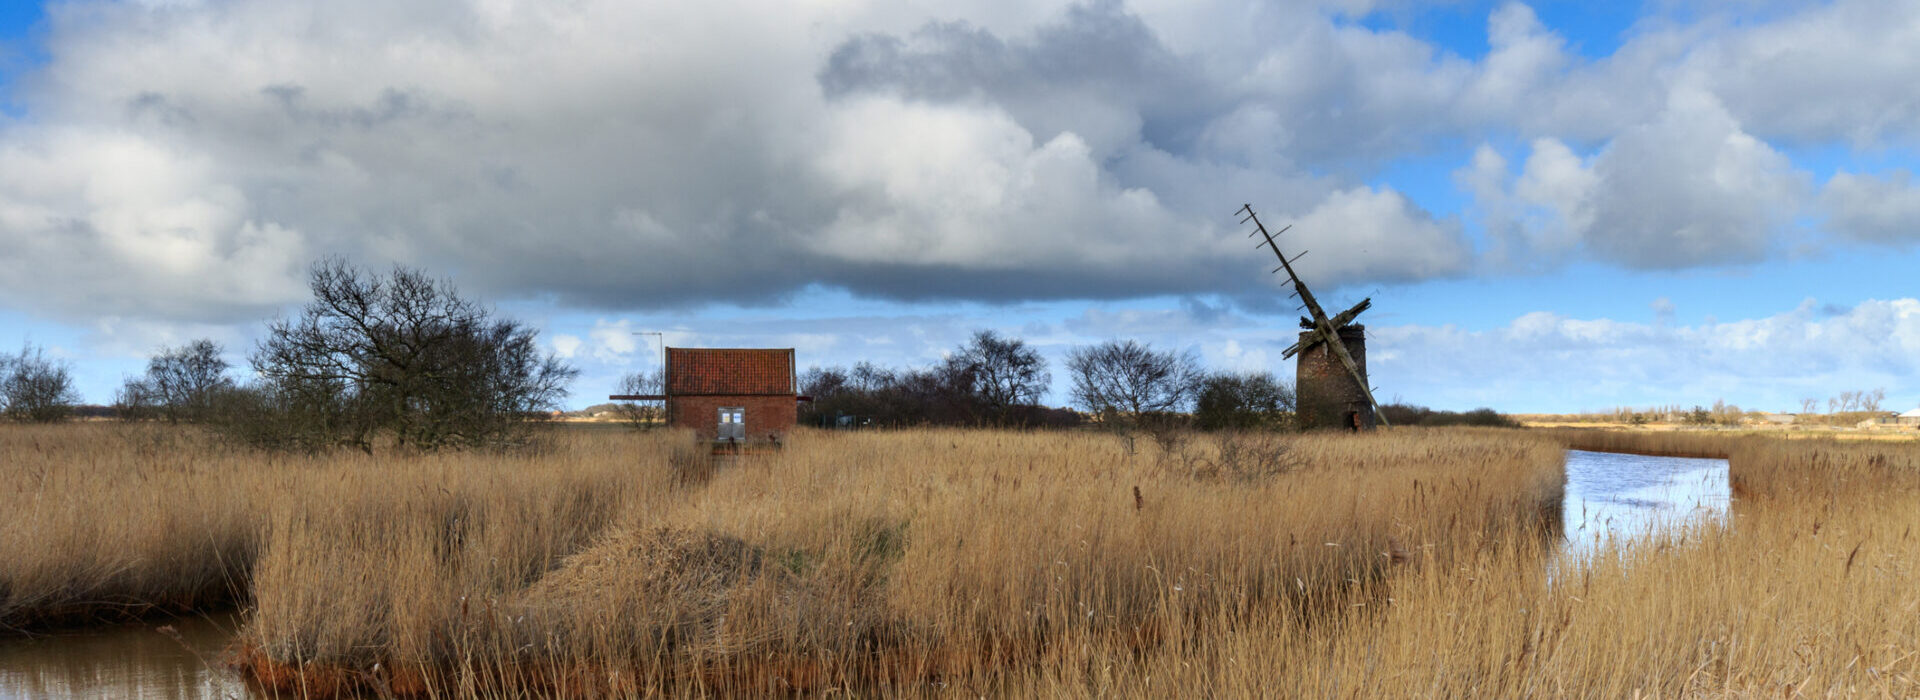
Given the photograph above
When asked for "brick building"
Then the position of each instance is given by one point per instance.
(1326, 395)
(731, 394)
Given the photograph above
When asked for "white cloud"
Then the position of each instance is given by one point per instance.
(1688, 189)
(612, 341)
(1873, 209)
(968, 187)
(1368, 234)
(565, 346)
(1550, 362)
(115, 221)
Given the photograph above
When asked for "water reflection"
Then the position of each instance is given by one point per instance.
(127, 661)
(1619, 495)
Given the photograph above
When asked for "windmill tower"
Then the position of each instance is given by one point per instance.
(1330, 381)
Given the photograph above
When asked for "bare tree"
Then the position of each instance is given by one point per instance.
(1000, 373)
(641, 414)
(1809, 405)
(181, 384)
(1870, 400)
(1130, 379)
(34, 388)
(405, 355)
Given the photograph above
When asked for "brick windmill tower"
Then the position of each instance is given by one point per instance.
(1330, 381)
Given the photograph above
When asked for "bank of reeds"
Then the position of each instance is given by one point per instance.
(617, 563)
(104, 522)
(1665, 443)
(888, 560)
(1404, 564)
(1807, 591)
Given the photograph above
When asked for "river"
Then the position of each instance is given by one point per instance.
(1612, 495)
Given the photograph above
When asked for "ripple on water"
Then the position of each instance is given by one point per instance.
(1613, 495)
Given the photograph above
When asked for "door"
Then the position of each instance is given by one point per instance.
(733, 423)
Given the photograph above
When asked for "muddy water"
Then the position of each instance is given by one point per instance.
(1608, 496)
(124, 661)
(1622, 496)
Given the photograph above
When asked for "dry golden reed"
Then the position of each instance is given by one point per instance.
(943, 562)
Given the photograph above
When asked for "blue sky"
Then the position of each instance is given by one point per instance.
(1554, 206)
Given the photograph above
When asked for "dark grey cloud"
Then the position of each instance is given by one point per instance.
(1096, 54)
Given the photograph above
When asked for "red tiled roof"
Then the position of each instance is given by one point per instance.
(736, 371)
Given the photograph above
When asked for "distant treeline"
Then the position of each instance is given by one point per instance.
(1403, 414)
(997, 380)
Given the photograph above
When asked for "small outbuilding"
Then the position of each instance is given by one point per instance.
(1879, 421)
(1910, 417)
(730, 395)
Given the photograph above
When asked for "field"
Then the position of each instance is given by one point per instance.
(938, 562)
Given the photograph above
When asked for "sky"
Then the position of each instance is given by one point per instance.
(1555, 207)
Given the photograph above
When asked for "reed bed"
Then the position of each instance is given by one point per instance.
(1803, 603)
(1665, 443)
(944, 563)
(618, 564)
(889, 560)
(1807, 592)
(105, 522)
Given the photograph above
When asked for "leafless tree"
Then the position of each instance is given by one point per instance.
(1130, 379)
(34, 388)
(1000, 373)
(1870, 400)
(641, 414)
(404, 355)
(181, 384)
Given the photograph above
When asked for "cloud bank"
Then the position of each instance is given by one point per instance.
(185, 160)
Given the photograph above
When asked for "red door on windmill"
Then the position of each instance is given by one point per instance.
(732, 394)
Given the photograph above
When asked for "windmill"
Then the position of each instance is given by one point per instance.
(1331, 378)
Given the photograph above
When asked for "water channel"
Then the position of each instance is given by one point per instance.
(1611, 495)
(1608, 496)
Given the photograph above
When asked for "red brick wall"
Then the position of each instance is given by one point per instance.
(1325, 392)
(766, 415)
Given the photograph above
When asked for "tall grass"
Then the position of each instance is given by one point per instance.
(617, 563)
(1802, 602)
(1704, 444)
(1404, 564)
(1808, 591)
(885, 558)
(106, 521)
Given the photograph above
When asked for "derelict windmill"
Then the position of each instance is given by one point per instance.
(1330, 381)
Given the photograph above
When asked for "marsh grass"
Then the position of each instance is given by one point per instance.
(1807, 592)
(886, 560)
(1406, 564)
(617, 562)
